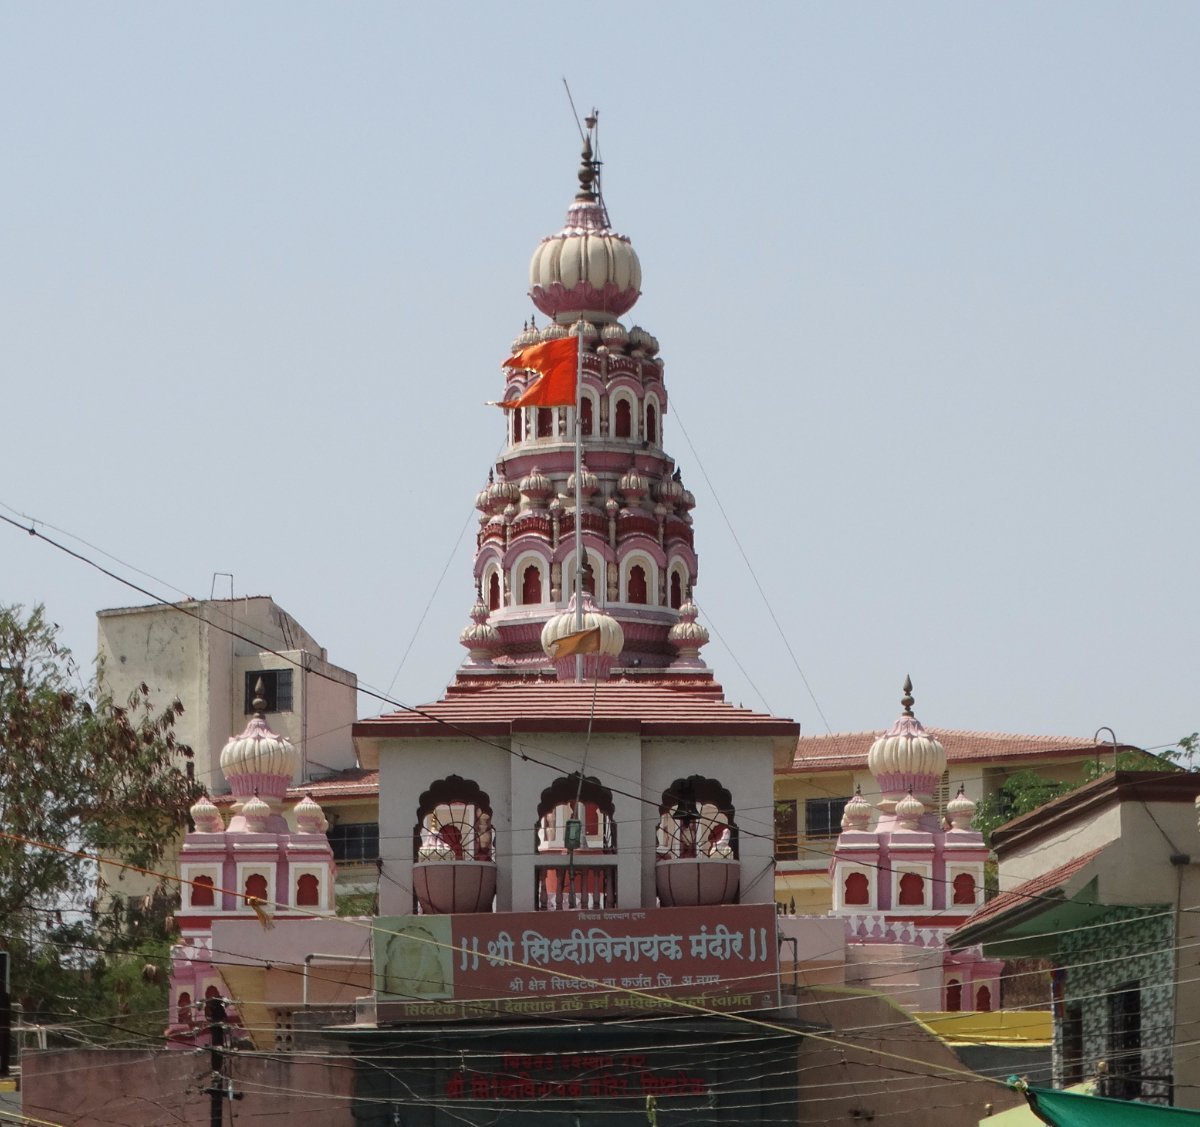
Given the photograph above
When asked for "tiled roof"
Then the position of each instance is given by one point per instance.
(1028, 893)
(662, 708)
(357, 782)
(847, 751)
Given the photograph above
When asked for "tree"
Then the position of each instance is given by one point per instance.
(79, 772)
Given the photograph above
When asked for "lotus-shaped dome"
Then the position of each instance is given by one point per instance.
(257, 814)
(857, 812)
(206, 817)
(259, 760)
(309, 816)
(600, 653)
(960, 811)
(587, 268)
(909, 810)
(906, 758)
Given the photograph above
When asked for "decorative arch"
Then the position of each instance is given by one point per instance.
(912, 890)
(621, 414)
(308, 891)
(983, 999)
(545, 422)
(202, 893)
(635, 589)
(696, 819)
(454, 821)
(596, 811)
(964, 889)
(953, 996)
(653, 417)
(856, 889)
(255, 887)
(525, 588)
(588, 413)
(494, 590)
(518, 425)
(183, 1009)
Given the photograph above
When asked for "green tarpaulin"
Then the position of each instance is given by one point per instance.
(1069, 1109)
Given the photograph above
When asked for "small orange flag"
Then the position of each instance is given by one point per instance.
(582, 642)
(556, 363)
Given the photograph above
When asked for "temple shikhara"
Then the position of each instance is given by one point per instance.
(576, 845)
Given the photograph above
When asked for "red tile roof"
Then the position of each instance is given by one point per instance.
(847, 751)
(1027, 894)
(653, 708)
(357, 782)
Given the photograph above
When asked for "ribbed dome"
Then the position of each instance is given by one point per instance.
(259, 760)
(687, 636)
(481, 638)
(310, 818)
(909, 810)
(257, 814)
(587, 268)
(206, 817)
(857, 812)
(906, 758)
(960, 811)
(612, 639)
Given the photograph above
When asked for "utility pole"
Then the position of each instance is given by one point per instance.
(220, 1088)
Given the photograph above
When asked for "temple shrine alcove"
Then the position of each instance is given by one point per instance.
(696, 848)
(576, 819)
(454, 866)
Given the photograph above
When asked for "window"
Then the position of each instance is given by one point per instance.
(676, 591)
(953, 996)
(983, 1000)
(531, 585)
(636, 588)
(518, 419)
(276, 690)
(355, 841)
(585, 415)
(256, 887)
(912, 890)
(964, 889)
(823, 816)
(545, 422)
(857, 889)
(494, 592)
(787, 830)
(1072, 1044)
(308, 891)
(651, 423)
(624, 420)
(1125, 1042)
(202, 892)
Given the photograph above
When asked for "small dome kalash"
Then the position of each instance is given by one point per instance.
(587, 269)
(259, 763)
(907, 760)
(601, 654)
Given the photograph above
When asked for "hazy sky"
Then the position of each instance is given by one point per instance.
(925, 278)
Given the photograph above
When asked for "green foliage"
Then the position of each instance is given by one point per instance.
(1025, 790)
(80, 773)
(357, 904)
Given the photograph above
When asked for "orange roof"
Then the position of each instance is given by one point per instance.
(356, 782)
(653, 708)
(1031, 892)
(847, 751)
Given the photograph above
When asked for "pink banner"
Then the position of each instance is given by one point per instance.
(537, 964)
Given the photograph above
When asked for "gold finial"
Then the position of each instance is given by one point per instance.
(907, 700)
(259, 703)
(589, 167)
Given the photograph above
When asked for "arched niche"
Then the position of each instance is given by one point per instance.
(596, 812)
(696, 819)
(454, 822)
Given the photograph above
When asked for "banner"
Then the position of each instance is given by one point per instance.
(541, 964)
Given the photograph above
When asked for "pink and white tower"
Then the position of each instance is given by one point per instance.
(635, 513)
(904, 884)
(254, 867)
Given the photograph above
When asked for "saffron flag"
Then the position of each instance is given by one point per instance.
(581, 642)
(556, 363)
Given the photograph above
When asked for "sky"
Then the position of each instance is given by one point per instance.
(924, 276)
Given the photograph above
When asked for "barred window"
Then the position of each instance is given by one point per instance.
(276, 691)
(355, 841)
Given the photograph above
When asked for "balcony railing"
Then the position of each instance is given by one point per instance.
(804, 847)
(564, 887)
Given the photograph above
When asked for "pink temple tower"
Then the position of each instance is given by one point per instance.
(635, 513)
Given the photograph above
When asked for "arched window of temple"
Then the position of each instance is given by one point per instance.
(696, 819)
(518, 425)
(202, 892)
(585, 415)
(545, 422)
(912, 889)
(857, 889)
(953, 996)
(308, 891)
(183, 1009)
(531, 585)
(964, 889)
(676, 591)
(983, 999)
(651, 423)
(636, 588)
(494, 591)
(596, 812)
(256, 887)
(623, 427)
(454, 822)
(212, 992)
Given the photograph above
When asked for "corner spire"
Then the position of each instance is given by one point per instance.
(908, 700)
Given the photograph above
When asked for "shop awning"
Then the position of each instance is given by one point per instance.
(1070, 1109)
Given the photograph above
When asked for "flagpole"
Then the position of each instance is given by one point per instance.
(578, 492)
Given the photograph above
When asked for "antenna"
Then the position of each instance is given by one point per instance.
(574, 113)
